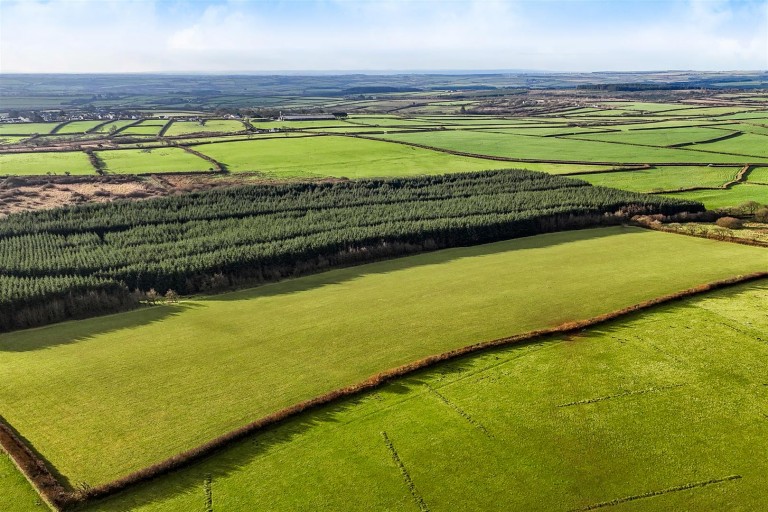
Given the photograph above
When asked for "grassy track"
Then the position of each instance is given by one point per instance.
(142, 161)
(655, 402)
(144, 385)
(664, 178)
(338, 156)
(74, 162)
(520, 146)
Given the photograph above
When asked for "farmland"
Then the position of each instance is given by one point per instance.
(44, 163)
(364, 314)
(337, 156)
(435, 292)
(157, 160)
(648, 421)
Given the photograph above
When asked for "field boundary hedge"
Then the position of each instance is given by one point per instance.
(37, 471)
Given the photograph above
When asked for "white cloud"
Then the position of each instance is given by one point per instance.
(136, 35)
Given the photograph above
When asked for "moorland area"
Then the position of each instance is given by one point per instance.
(395, 292)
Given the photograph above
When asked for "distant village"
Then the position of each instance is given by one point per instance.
(49, 116)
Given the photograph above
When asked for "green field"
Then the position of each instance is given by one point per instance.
(210, 126)
(750, 144)
(144, 385)
(142, 129)
(660, 137)
(758, 175)
(26, 128)
(338, 156)
(77, 127)
(21, 164)
(16, 494)
(663, 178)
(143, 161)
(116, 124)
(733, 196)
(661, 399)
(520, 146)
(11, 139)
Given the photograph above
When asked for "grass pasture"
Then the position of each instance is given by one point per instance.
(144, 385)
(210, 126)
(35, 164)
(520, 146)
(77, 127)
(733, 196)
(16, 494)
(758, 175)
(663, 178)
(660, 137)
(618, 411)
(116, 124)
(338, 156)
(749, 144)
(154, 160)
(26, 128)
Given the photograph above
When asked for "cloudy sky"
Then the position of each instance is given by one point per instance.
(279, 35)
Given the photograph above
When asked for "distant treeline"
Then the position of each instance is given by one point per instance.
(250, 234)
(718, 82)
(630, 87)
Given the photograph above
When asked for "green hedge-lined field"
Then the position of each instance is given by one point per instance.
(338, 156)
(102, 397)
(677, 399)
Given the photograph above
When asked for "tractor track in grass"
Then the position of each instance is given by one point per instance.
(651, 494)
(41, 474)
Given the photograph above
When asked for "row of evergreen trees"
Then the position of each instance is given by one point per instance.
(213, 239)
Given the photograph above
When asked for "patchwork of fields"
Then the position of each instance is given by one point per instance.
(661, 409)
(600, 137)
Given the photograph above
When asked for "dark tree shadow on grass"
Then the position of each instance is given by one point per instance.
(351, 272)
(74, 331)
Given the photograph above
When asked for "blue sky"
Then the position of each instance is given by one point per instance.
(238, 35)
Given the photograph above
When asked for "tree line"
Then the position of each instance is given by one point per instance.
(249, 234)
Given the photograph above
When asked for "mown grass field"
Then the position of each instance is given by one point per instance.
(659, 400)
(338, 156)
(143, 161)
(144, 385)
(663, 178)
(520, 146)
(74, 162)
